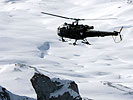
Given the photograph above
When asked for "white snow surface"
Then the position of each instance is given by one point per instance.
(103, 70)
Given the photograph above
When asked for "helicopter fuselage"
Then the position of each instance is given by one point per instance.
(80, 32)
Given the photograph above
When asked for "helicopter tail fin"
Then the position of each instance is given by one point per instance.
(119, 33)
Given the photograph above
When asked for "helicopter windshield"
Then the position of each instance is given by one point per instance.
(65, 25)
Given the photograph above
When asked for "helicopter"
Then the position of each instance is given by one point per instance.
(81, 32)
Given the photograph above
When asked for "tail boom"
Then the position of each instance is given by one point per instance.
(92, 33)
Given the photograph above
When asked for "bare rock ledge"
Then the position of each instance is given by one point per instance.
(55, 88)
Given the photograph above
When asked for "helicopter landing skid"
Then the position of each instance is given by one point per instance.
(86, 42)
(63, 40)
(75, 42)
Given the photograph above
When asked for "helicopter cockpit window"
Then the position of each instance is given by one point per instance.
(63, 26)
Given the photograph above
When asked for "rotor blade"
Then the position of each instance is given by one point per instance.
(121, 29)
(77, 19)
(101, 19)
(120, 32)
(57, 15)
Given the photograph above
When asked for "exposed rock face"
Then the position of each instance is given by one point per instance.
(54, 89)
(6, 95)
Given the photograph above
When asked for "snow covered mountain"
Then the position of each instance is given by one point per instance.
(28, 43)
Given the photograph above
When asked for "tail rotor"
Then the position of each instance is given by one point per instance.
(119, 33)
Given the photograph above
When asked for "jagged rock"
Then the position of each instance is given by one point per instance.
(6, 95)
(54, 89)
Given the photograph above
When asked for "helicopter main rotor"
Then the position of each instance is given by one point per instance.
(76, 19)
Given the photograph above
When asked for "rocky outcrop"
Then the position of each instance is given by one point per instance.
(55, 88)
(6, 95)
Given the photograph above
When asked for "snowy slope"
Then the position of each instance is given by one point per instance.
(102, 70)
(6, 95)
